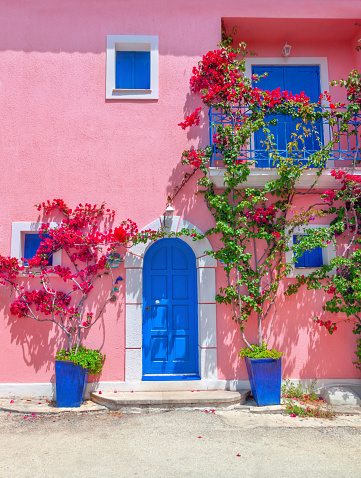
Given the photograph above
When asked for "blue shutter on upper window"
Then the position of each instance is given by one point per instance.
(132, 70)
(142, 70)
(31, 245)
(292, 78)
(311, 258)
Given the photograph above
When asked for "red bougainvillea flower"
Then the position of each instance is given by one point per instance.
(192, 119)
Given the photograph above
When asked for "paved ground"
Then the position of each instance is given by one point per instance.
(178, 443)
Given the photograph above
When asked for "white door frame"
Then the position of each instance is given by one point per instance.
(207, 330)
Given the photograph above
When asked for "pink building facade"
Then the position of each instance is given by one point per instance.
(69, 130)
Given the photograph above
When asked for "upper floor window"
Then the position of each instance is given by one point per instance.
(132, 67)
(294, 79)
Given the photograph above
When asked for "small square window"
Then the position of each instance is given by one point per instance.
(132, 67)
(25, 241)
(311, 258)
(32, 242)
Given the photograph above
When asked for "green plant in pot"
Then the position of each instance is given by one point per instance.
(88, 245)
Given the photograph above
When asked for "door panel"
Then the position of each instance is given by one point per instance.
(295, 79)
(170, 323)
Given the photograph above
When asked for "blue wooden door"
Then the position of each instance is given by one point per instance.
(170, 323)
(295, 79)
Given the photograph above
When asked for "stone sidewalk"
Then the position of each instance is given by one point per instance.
(225, 403)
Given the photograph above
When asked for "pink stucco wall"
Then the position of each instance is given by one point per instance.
(61, 138)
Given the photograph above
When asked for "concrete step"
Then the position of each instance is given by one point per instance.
(171, 399)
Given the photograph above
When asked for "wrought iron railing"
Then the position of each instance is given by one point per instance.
(315, 135)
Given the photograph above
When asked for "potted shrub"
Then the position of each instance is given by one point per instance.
(89, 256)
(264, 373)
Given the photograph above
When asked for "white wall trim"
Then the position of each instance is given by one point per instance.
(132, 43)
(207, 330)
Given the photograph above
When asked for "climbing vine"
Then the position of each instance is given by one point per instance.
(254, 225)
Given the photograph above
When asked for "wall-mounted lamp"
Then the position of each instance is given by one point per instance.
(286, 50)
(169, 212)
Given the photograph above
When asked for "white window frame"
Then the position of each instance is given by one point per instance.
(18, 231)
(328, 252)
(132, 43)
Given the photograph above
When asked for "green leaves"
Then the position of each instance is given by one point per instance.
(93, 360)
(257, 352)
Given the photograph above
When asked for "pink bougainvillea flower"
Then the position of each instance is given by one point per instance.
(132, 391)
(100, 392)
(115, 391)
(25, 416)
(199, 437)
(192, 390)
(32, 415)
(238, 454)
(11, 401)
(293, 415)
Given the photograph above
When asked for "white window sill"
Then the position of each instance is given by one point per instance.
(115, 90)
(258, 177)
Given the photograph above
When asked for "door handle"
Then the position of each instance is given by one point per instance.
(147, 308)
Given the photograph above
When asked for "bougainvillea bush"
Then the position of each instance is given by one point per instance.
(254, 225)
(89, 248)
(341, 278)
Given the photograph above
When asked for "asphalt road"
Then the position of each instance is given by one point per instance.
(178, 443)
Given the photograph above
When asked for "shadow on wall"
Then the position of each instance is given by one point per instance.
(39, 341)
(310, 351)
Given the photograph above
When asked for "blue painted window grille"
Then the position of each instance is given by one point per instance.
(31, 245)
(132, 70)
(311, 258)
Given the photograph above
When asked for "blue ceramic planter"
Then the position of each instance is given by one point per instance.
(265, 379)
(71, 381)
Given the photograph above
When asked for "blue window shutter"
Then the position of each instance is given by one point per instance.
(132, 70)
(295, 79)
(314, 258)
(301, 260)
(142, 70)
(304, 78)
(274, 80)
(31, 245)
(311, 258)
(124, 70)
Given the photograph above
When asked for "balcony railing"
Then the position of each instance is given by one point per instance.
(315, 135)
